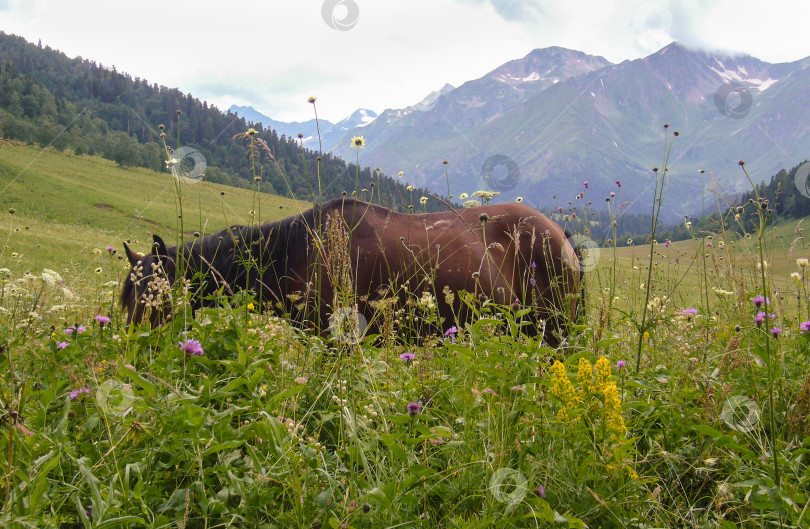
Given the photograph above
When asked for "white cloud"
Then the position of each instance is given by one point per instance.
(274, 55)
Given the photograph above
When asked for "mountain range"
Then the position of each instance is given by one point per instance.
(540, 126)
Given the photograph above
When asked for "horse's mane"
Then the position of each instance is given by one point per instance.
(283, 239)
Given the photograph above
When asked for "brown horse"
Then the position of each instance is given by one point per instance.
(348, 256)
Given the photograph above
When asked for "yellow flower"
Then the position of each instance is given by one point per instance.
(562, 388)
(251, 306)
(584, 375)
(463, 196)
(400, 174)
(358, 142)
(251, 131)
(423, 200)
(99, 270)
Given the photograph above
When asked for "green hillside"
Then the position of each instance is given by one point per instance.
(74, 104)
(65, 206)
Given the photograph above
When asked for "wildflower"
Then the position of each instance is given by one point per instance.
(24, 430)
(399, 174)
(708, 243)
(666, 244)
(559, 209)
(251, 306)
(102, 320)
(585, 184)
(796, 276)
(312, 99)
(301, 380)
(99, 270)
(470, 203)
(540, 491)
(801, 262)
(563, 389)
(804, 326)
(111, 249)
(759, 300)
(463, 196)
(410, 188)
(191, 347)
(62, 345)
(423, 200)
(451, 330)
(689, 312)
(413, 408)
(406, 357)
(76, 392)
(620, 364)
(519, 200)
(776, 331)
(358, 142)
(619, 183)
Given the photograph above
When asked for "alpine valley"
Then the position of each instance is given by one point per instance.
(540, 126)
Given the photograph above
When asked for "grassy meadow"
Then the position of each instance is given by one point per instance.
(682, 399)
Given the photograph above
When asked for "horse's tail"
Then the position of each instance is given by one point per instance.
(579, 308)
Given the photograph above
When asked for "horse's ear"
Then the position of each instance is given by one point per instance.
(132, 257)
(159, 247)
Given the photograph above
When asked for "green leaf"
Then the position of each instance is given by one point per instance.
(40, 481)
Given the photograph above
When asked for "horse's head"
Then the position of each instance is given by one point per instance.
(147, 287)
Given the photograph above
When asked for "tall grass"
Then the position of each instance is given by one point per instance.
(469, 426)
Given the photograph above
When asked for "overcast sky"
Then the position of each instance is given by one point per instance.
(380, 54)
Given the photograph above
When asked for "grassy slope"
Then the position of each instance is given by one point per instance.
(66, 206)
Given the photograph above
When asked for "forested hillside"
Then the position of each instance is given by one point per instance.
(78, 105)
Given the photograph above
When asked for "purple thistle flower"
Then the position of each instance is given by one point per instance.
(776, 331)
(76, 392)
(80, 329)
(102, 320)
(110, 249)
(413, 408)
(619, 183)
(666, 244)
(689, 312)
(559, 208)
(585, 184)
(759, 300)
(620, 364)
(191, 347)
(61, 345)
(69, 330)
(804, 326)
(451, 330)
(540, 491)
(406, 357)
(709, 243)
